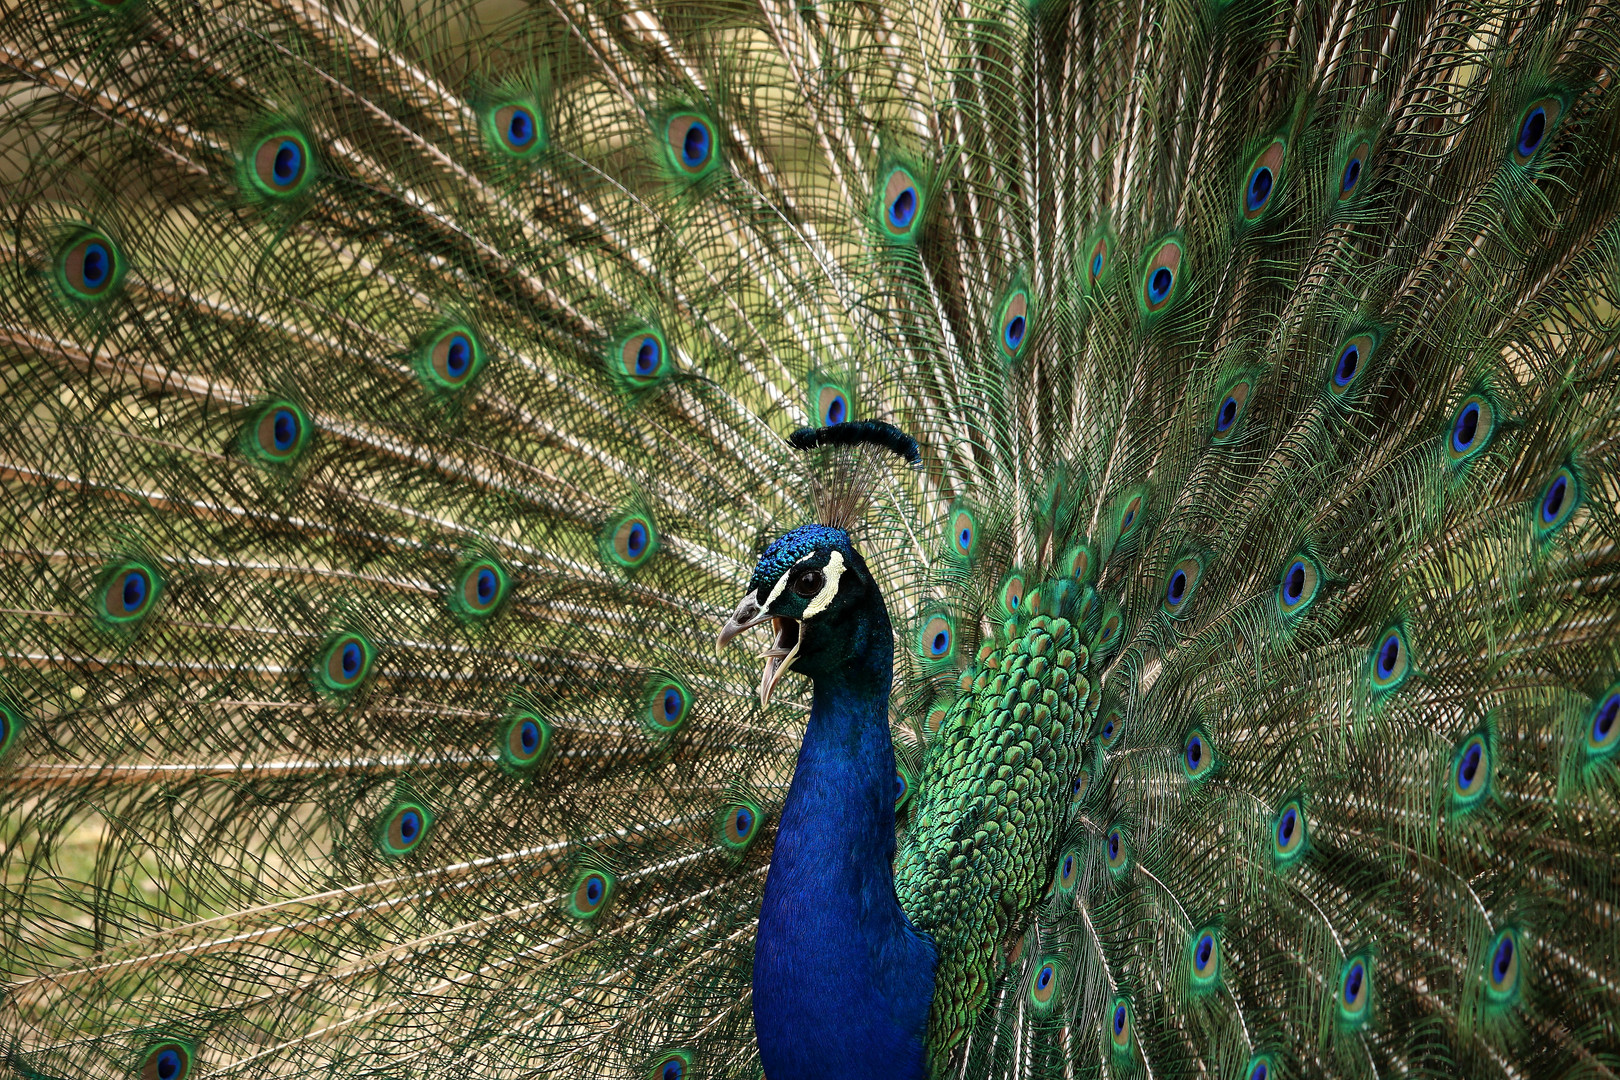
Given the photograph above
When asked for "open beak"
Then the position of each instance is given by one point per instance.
(784, 645)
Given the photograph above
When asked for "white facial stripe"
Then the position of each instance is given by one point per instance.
(833, 571)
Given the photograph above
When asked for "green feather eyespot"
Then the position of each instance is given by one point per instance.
(1289, 833)
(832, 405)
(449, 361)
(1109, 632)
(1355, 990)
(1260, 183)
(482, 587)
(1261, 1067)
(1117, 851)
(345, 664)
(1099, 261)
(278, 433)
(1121, 1026)
(592, 890)
(738, 824)
(1068, 872)
(1078, 789)
(1558, 501)
(1353, 169)
(1012, 326)
(902, 786)
(1043, 984)
(1390, 661)
(1179, 586)
(1230, 410)
(962, 533)
(1470, 429)
(280, 164)
(1010, 593)
(11, 723)
(1130, 513)
(1350, 361)
(515, 128)
(1204, 958)
(936, 639)
(1197, 755)
(631, 540)
(1502, 967)
(1077, 563)
(1535, 124)
(1296, 590)
(689, 141)
(1471, 768)
(403, 829)
(525, 740)
(1603, 730)
(668, 705)
(171, 1059)
(129, 592)
(642, 357)
(90, 267)
(1112, 729)
(935, 720)
(671, 1065)
(1161, 277)
(900, 205)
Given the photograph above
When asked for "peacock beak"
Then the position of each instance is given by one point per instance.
(784, 645)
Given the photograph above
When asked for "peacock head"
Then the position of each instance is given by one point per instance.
(823, 605)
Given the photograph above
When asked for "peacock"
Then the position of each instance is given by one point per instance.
(872, 539)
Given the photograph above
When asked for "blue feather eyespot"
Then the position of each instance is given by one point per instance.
(90, 267)
(1117, 851)
(1014, 324)
(404, 828)
(962, 533)
(1112, 729)
(832, 405)
(1535, 124)
(668, 705)
(629, 541)
(1471, 772)
(524, 743)
(671, 1065)
(1010, 594)
(1160, 276)
(279, 434)
(1120, 1027)
(11, 722)
(1130, 514)
(516, 129)
(1204, 956)
(482, 587)
(1558, 501)
(345, 663)
(901, 204)
(452, 358)
(591, 892)
(1296, 590)
(1043, 985)
(1077, 563)
(170, 1060)
(1197, 755)
(1098, 262)
(1355, 990)
(1350, 361)
(1179, 586)
(902, 786)
(1078, 788)
(1109, 631)
(936, 639)
(643, 357)
(1288, 832)
(1502, 967)
(1230, 410)
(1470, 429)
(1068, 871)
(1603, 732)
(131, 589)
(738, 824)
(1354, 170)
(1261, 182)
(689, 141)
(281, 164)
(1390, 661)
(1260, 1067)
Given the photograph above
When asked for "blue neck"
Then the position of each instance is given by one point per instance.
(842, 983)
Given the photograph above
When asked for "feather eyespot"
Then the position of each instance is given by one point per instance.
(1351, 360)
(10, 725)
(281, 164)
(1078, 788)
(1197, 756)
(1391, 660)
(346, 663)
(1355, 989)
(1470, 429)
(630, 541)
(132, 589)
(1160, 276)
(482, 587)
(280, 432)
(901, 204)
(643, 357)
(1260, 1067)
(517, 129)
(668, 705)
(1288, 832)
(1112, 729)
(404, 829)
(1068, 873)
(1603, 732)
(166, 1061)
(452, 359)
(591, 892)
(1470, 772)
(1261, 183)
(1502, 967)
(89, 267)
(689, 139)
(1355, 166)
(1108, 632)
(1535, 124)
(963, 534)
(1043, 985)
(1119, 1025)
(739, 825)
(902, 787)
(936, 639)
(1230, 411)
(832, 406)
(1098, 262)
(1296, 590)
(1205, 956)
(1011, 593)
(1014, 324)
(935, 720)
(1117, 851)
(1077, 563)
(1179, 586)
(1558, 501)
(671, 1065)
(525, 742)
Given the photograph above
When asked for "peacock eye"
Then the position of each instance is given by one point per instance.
(809, 583)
